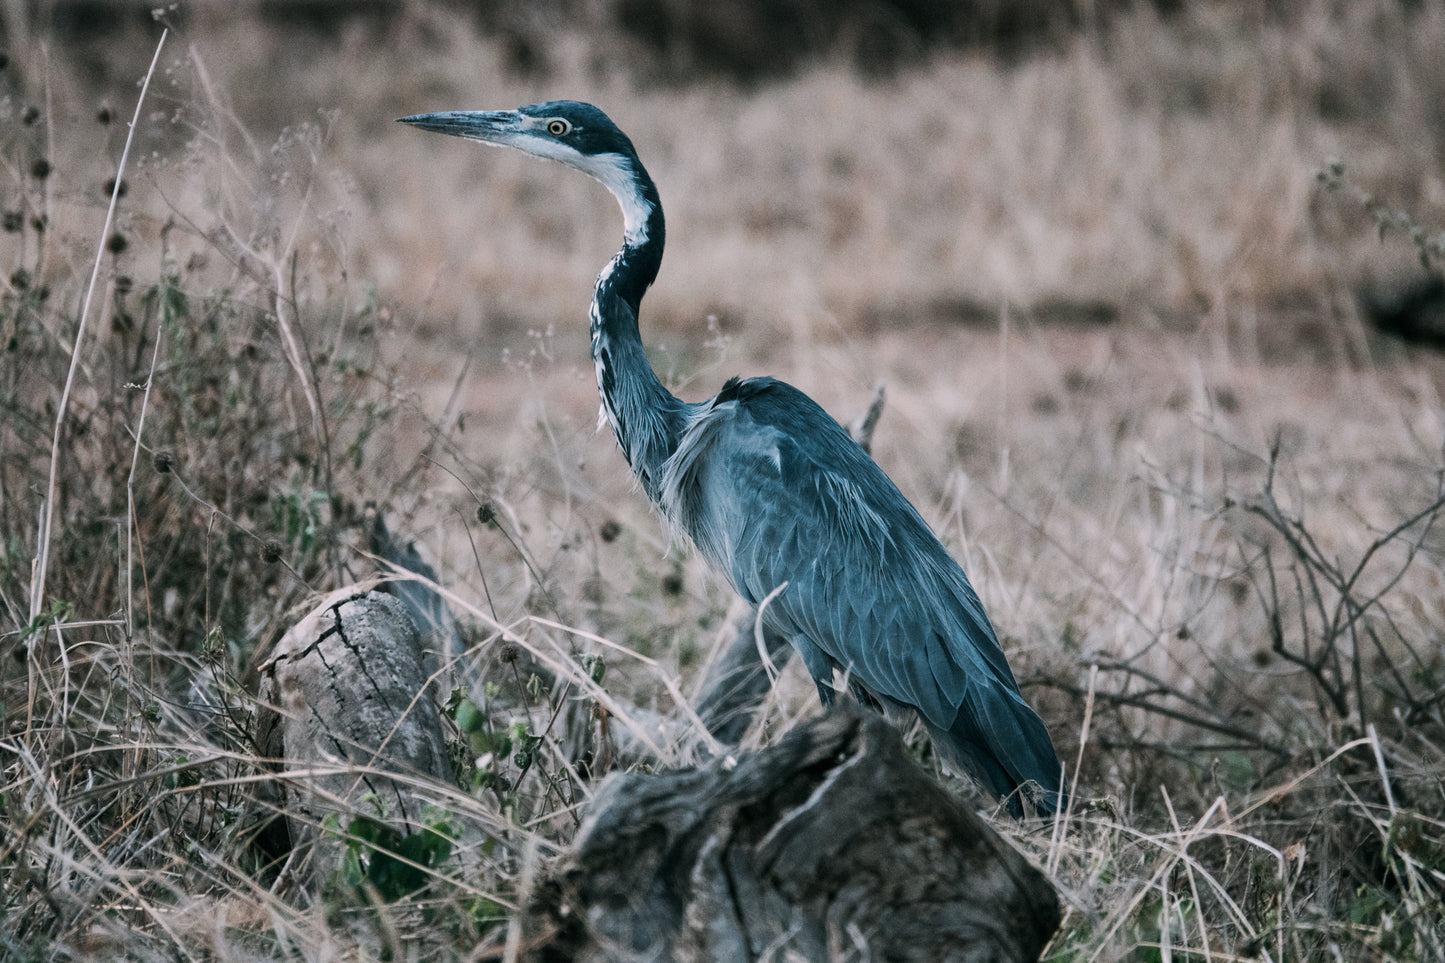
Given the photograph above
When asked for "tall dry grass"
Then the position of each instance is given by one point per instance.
(1205, 524)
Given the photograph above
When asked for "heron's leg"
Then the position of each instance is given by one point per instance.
(864, 696)
(826, 693)
(820, 667)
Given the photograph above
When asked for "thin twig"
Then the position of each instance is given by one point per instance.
(37, 585)
(767, 662)
(133, 524)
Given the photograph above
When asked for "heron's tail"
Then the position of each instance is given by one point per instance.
(1001, 742)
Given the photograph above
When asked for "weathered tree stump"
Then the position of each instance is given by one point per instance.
(346, 713)
(831, 845)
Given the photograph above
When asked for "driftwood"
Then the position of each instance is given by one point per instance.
(346, 715)
(830, 845)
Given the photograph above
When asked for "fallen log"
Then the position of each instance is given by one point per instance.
(830, 845)
(348, 723)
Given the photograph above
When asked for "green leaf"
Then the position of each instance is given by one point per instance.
(469, 718)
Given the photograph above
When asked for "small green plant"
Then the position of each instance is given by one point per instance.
(382, 860)
(485, 748)
(299, 517)
(596, 667)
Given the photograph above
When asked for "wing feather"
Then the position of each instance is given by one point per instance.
(771, 489)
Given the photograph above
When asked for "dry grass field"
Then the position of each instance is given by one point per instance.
(1121, 292)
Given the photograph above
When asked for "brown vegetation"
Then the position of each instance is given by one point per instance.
(1130, 383)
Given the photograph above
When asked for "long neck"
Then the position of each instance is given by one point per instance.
(646, 418)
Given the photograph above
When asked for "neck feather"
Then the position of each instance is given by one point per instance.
(644, 415)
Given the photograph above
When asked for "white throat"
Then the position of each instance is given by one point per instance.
(613, 170)
(615, 173)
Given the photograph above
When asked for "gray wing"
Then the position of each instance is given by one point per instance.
(771, 489)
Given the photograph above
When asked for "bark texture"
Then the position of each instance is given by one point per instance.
(441, 639)
(736, 682)
(348, 720)
(831, 845)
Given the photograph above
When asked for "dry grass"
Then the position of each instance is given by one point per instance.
(1163, 513)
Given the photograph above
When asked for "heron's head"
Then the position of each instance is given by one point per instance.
(573, 133)
(576, 134)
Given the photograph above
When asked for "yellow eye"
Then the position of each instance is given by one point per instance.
(557, 127)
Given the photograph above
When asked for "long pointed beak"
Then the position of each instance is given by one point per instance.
(494, 126)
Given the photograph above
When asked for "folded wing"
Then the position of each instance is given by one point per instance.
(772, 490)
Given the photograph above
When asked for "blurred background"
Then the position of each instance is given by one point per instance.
(865, 163)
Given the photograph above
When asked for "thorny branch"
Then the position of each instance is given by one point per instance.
(1338, 622)
(1325, 615)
